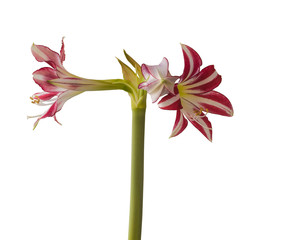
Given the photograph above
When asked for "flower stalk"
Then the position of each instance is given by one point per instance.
(138, 105)
(137, 173)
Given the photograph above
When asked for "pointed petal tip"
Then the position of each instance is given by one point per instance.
(171, 136)
(181, 44)
(165, 59)
(230, 112)
(174, 134)
(119, 60)
(141, 85)
(57, 121)
(36, 124)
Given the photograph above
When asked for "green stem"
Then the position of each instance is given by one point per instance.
(137, 173)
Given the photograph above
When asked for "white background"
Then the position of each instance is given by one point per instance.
(72, 182)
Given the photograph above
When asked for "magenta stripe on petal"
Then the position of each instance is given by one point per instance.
(43, 75)
(170, 102)
(145, 71)
(206, 80)
(44, 96)
(62, 52)
(216, 103)
(45, 54)
(179, 125)
(148, 85)
(206, 132)
(202, 123)
(51, 111)
(192, 62)
(156, 71)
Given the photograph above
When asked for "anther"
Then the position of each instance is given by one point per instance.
(35, 100)
(200, 111)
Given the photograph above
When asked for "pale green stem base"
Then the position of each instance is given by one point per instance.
(137, 173)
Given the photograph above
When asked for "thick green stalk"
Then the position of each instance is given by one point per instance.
(137, 173)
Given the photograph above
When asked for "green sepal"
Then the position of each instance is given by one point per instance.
(135, 65)
(128, 74)
(134, 78)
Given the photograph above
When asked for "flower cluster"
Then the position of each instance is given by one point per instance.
(192, 94)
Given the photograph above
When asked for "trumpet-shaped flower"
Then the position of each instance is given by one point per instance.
(53, 96)
(59, 85)
(193, 96)
(158, 80)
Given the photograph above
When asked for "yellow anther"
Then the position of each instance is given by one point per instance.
(35, 100)
(199, 112)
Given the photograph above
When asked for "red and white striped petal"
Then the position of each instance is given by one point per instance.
(65, 96)
(45, 54)
(179, 125)
(192, 63)
(170, 102)
(57, 105)
(206, 80)
(44, 98)
(213, 101)
(200, 121)
(42, 77)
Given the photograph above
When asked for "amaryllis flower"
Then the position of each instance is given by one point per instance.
(59, 85)
(53, 96)
(194, 97)
(159, 80)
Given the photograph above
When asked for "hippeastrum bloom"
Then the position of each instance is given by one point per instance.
(53, 95)
(158, 80)
(193, 96)
(59, 85)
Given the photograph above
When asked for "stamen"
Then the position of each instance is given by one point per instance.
(200, 111)
(197, 117)
(34, 116)
(35, 100)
